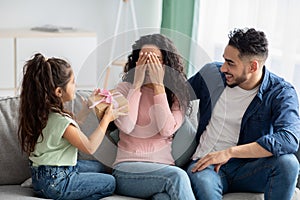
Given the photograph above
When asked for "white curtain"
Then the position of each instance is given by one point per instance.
(279, 19)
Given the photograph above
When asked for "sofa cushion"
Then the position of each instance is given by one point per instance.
(16, 192)
(13, 163)
(184, 143)
(254, 196)
(13, 192)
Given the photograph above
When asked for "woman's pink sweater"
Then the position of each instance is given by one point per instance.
(146, 132)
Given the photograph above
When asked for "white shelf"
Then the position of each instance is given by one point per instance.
(27, 33)
(19, 45)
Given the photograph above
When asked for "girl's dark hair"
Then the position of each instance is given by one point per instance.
(174, 80)
(40, 79)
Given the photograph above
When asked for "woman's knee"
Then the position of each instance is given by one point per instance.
(179, 174)
(109, 182)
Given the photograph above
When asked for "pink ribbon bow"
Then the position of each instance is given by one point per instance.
(107, 98)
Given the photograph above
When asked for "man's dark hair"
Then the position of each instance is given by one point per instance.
(249, 42)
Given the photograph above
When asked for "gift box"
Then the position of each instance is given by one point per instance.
(102, 98)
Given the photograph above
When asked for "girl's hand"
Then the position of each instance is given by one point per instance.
(112, 113)
(109, 114)
(140, 70)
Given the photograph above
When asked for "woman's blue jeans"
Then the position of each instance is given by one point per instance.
(83, 181)
(152, 180)
(276, 177)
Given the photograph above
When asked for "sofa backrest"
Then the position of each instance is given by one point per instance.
(13, 164)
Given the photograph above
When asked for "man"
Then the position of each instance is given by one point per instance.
(249, 124)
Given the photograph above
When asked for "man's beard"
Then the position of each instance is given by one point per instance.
(238, 81)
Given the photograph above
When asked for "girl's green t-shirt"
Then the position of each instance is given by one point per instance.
(52, 149)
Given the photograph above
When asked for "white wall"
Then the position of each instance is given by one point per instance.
(99, 16)
(95, 15)
(276, 18)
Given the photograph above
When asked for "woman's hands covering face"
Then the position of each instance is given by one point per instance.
(140, 70)
(155, 69)
(148, 70)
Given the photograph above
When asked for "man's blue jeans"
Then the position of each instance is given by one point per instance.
(276, 177)
(152, 180)
(83, 181)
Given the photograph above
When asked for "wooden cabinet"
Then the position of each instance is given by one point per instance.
(18, 46)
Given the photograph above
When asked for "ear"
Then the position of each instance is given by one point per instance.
(254, 65)
(58, 92)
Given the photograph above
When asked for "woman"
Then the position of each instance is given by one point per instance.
(154, 84)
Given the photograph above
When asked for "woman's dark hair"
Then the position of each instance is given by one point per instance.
(40, 79)
(249, 42)
(174, 80)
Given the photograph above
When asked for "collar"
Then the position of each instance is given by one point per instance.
(265, 82)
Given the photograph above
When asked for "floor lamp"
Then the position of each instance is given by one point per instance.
(117, 25)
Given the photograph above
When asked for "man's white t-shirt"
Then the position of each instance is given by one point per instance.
(223, 128)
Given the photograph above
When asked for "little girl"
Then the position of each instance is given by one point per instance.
(52, 138)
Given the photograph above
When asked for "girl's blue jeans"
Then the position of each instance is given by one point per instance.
(148, 180)
(83, 181)
(276, 177)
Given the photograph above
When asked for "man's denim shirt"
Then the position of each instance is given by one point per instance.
(271, 119)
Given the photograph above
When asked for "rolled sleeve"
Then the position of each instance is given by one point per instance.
(280, 143)
(286, 124)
